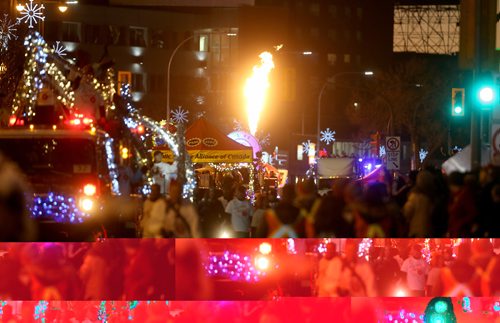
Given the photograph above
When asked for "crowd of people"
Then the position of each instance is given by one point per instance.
(112, 269)
(424, 204)
(407, 271)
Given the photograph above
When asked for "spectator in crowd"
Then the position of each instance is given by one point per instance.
(309, 202)
(261, 205)
(181, 219)
(330, 220)
(460, 278)
(212, 215)
(284, 220)
(241, 212)
(191, 282)
(14, 216)
(52, 276)
(419, 208)
(329, 273)
(154, 214)
(376, 216)
(387, 273)
(415, 268)
(434, 273)
(462, 206)
(357, 278)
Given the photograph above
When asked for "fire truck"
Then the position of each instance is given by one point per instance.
(71, 142)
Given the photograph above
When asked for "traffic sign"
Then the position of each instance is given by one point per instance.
(393, 152)
(393, 143)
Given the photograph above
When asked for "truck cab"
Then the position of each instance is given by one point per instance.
(73, 178)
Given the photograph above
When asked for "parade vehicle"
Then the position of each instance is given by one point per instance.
(74, 151)
(73, 177)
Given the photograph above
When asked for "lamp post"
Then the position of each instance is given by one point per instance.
(318, 125)
(168, 71)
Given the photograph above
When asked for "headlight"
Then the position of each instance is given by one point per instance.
(265, 248)
(86, 204)
(262, 263)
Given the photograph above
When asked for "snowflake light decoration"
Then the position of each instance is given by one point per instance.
(422, 154)
(32, 13)
(382, 152)
(306, 145)
(201, 114)
(7, 31)
(59, 49)
(179, 115)
(327, 136)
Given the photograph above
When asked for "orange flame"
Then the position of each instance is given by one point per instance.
(256, 88)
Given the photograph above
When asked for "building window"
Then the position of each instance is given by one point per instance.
(314, 9)
(332, 58)
(359, 36)
(314, 32)
(158, 39)
(138, 83)
(124, 77)
(347, 58)
(91, 34)
(203, 47)
(137, 36)
(359, 12)
(332, 10)
(71, 31)
(332, 34)
(347, 12)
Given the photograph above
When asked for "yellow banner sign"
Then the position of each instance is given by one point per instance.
(212, 156)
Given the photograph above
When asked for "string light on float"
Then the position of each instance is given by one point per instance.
(255, 90)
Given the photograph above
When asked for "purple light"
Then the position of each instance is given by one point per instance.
(229, 266)
(60, 208)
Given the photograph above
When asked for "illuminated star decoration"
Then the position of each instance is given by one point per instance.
(32, 13)
(7, 31)
(179, 115)
(422, 154)
(306, 146)
(327, 136)
(59, 49)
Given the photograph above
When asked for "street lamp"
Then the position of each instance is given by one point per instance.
(330, 80)
(168, 71)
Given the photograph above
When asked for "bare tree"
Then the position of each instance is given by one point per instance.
(409, 99)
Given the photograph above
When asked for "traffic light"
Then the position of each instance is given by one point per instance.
(440, 310)
(485, 92)
(486, 96)
(457, 102)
